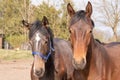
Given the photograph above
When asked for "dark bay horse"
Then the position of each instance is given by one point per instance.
(97, 61)
(52, 56)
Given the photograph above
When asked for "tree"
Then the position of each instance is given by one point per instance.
(65, 19)
(51, 13)
(12, 12)
(110, 14)
(10, 18)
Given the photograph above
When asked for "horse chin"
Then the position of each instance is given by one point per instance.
(79, 67)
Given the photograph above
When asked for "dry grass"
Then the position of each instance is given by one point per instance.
(14, 54)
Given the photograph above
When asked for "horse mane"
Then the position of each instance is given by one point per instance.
(49, 68)
(49, 65)
(81, 14)
(112, 44)
(51, 36)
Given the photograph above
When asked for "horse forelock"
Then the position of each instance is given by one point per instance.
(81, 14)
(37, 26)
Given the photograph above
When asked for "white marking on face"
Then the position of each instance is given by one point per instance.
(37, 38)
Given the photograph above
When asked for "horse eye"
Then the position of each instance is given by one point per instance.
(46, 42)
(69, 31)
(90, 31)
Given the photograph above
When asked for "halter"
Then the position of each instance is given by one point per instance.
(43, 56)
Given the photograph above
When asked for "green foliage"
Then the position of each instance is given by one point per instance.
(52, 14)
(10, 17)
(64, 21)
(11, 14)
(16, 40)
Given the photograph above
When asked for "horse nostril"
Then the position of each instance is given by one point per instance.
(83, 61)
(73, 61)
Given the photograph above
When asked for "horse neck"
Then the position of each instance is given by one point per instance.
(91, 46)
(95, 54)
(88, 58)
(97, 49)
(93, 49)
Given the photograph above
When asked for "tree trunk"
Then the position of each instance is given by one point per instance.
(114, 38)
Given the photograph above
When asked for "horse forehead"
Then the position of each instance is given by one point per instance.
(80, 25)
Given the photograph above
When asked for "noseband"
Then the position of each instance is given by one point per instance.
(43, 56)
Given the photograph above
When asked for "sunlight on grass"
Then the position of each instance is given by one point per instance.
(14, 54)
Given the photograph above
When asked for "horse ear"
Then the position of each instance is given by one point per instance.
(89, 10)
(26, 24)
(70, 10)
(45, 21)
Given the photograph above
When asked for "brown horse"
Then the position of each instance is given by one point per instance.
(52, 56)
(97, 61)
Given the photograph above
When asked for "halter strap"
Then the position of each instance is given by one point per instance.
(43, 56)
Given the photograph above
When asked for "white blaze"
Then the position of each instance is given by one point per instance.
(37, 37)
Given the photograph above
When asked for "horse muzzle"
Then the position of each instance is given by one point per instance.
(39, 73)
(39, 66)
(79, 64)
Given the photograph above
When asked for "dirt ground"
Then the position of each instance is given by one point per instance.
(15, 70)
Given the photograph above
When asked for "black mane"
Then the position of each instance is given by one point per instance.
(79, 15)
